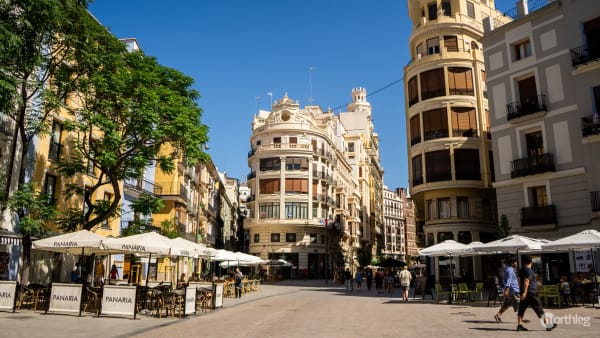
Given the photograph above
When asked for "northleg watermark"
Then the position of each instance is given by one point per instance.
(548, 320)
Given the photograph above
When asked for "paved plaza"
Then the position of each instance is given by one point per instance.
(309, 309)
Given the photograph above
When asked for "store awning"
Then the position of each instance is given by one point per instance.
(10, 238)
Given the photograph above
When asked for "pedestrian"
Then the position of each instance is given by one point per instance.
(389, 281)
(99, 272)
(529, 296)
(76, 273)
(114, 273)
(238, 283)
(181, 282)
(510, 294)
(369, 274)
(348, 278)
(565, 290)
(358, 276)
(379, 281)
(405, 279)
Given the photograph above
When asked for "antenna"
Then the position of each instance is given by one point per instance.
(271, 95)
(258, 103)
(310, 98)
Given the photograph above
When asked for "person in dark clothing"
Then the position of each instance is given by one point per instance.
(369, 275)
(348, 278)
(529, 296)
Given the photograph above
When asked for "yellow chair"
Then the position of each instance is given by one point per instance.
(550, 292)
(463, 291)
(440, 294)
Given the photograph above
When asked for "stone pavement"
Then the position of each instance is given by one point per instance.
(311, 308)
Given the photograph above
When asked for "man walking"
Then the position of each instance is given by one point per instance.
(369, 275)
(529, 295)
(348, 277)
(405, 278)
(511, 288)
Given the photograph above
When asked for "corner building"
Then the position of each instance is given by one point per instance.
(305, 204)
(447, 119)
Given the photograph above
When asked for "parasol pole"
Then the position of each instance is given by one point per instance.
(81, 303)
(147, 276)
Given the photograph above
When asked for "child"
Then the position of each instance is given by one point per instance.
(565, 290)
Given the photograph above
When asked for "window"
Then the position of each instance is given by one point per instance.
(415, 130)
(464, 122)
(269, 210)
(87, 190)
(296, 186)
(521, 50)
(313, 238)
(322, 237)
(470, 9)
(417, 170)
(256, 238)
(538, 197)
(466, 163)
(271, 163)
(296, 163)
(420, 49)
(276, 139)
(484, 84)
(433, 46)
(462, 207)
(290, 237)
(443, 207)
(54, 151)
(491, 160)
(269, 186)
(293, 139)
(274, 237)
(435, 124)
(596, 93)
(451, 43)
(437, 166)
(432, 83)
(296, 210)
(350, 147)
(446, 8)
(430, 211)
(413, 91)
(50, 188)
(460, 81)
(91, 164)
(432, 9)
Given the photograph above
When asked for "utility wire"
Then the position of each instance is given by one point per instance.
(375, 91)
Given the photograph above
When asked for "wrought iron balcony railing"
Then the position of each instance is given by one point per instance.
(526, 106)
(538, 215)
(532, 165)
(590, 125)
(584, 54)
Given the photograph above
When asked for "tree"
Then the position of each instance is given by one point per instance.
(133, 111)
(37, 40)
(503, 227)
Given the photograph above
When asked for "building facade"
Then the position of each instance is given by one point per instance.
(394, 225)
(448, 137)
(544, 76)
(309, 181)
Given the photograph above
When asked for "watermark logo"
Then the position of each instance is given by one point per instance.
(549, 320)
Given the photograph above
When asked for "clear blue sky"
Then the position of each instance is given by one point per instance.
(240, 50)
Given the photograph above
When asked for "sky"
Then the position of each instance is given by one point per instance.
(237, 51)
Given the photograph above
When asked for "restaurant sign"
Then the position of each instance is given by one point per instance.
(218, 294)
(7, 295)
(118, 300)
(65, 298)
(190, 300)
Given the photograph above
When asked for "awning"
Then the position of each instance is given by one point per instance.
(10, 238)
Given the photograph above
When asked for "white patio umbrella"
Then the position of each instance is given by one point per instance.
(512, 243)
(81, 242)
(446, 248)
(276, 262)
(586, 239)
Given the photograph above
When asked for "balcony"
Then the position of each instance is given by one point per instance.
(54, 152)
(538, 215)
(143, 185)
(584, 54)
(417, 181)
(434, 134)
(526, 106)
(415, 140)
(251, 175)
(532, 165)
(595, 198)
(590, 125)
(177, 190)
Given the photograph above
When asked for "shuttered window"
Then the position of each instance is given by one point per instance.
(435, 124)
(460, 81)
(415, 130)
(413, 91)
(432, 83)
(451, 43)
(464, 122)
(437, 166)
(269, 186)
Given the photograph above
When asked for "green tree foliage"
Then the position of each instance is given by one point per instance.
(364, 256)
(37, 40)
(145, 205)
(131, 108)
(38, 209)
(503, 227)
